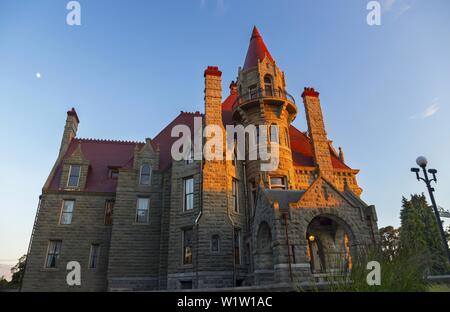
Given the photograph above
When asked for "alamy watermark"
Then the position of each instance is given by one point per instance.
(261, 143)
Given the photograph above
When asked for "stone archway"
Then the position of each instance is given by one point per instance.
(330, 244)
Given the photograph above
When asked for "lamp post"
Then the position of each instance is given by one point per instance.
(422, 163)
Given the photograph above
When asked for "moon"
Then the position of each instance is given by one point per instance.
(38, 75)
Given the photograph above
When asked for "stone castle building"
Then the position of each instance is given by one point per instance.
(135, 219)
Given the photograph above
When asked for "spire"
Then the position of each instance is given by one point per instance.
(257, 50)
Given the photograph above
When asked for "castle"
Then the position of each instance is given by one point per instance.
(136, 219)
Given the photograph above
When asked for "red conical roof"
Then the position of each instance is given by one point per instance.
(257, 50)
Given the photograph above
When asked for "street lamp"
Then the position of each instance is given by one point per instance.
(422, 163)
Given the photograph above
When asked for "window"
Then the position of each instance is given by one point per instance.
(190, 155)
(274, 136)
(67, 212)
(188, 193)
(278, 183)
(235, 195)
(93, 256)
(143, 206)
(252, 90)
(109, 207)
(186, 284)
(187, 246)
(237, 246)
(74, 176)
(268, 85)
(53, 252)
(215, 243)
(286, 137)
(146, 172)
(113, 173)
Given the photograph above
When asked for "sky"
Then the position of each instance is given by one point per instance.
(132, 66)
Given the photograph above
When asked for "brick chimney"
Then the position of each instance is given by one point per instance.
(213, 96)
(70, 131)
(316, 128)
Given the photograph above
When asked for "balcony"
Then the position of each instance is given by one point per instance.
(266, 94)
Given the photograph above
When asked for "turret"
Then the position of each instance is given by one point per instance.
(263, 100)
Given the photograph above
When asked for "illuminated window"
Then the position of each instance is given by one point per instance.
(109, 206)
(187, 246)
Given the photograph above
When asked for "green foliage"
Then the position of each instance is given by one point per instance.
(419, 232)
(405, 272)
(17, 275)
(390, 241)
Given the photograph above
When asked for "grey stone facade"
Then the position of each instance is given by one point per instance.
(242, 230)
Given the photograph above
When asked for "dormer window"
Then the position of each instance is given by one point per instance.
(145, 175)
(74, 176)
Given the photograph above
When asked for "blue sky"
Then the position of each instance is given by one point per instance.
(133, 65)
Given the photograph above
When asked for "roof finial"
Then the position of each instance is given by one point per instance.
(341, 154)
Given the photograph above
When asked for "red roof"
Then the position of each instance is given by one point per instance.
(165, 139)
(257, 50)
(102, 155)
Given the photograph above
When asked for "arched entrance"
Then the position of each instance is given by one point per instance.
(329, 243)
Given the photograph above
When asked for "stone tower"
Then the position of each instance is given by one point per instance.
(263, 101)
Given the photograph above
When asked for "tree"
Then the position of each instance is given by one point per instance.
(419, 232)
(3, 283)
(390, 241)
(17, 273)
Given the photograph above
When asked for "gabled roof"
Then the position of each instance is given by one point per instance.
(257, 50)
(102, 155)
(165, 139)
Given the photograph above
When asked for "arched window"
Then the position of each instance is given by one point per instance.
(274, 134)
(146, 172)
(268, 85)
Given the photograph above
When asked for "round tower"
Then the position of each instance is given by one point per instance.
(263, 101)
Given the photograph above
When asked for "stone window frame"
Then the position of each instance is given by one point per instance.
(136, 218)
(278, 186)
(183, 247)
(93, 262)
(70, 175)
(185, 194)
(62, 212)
(235, 195)
(149, 174)
(55, 251)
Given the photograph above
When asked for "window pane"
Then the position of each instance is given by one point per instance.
(145, 175)
(93, 259)
(143, 205)
(53, 254)
(187, 247)
(215, 243)
(67, 212)
(109, 206)
(74, 176)
(68, 206)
